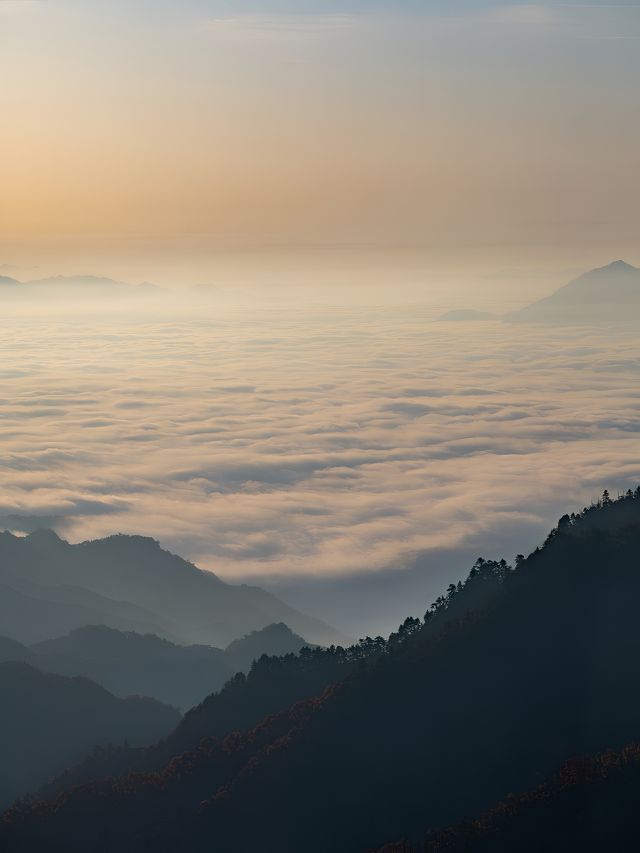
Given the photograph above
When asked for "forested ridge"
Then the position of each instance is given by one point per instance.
(590, 804)
(508, 676)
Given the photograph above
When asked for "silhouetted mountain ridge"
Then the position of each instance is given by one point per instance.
(130, 583)
(136, 664)
(510, 674)
(127, 663)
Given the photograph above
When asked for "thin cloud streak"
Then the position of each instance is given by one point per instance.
(278, 27)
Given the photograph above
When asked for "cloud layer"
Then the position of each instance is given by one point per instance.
(313, 443)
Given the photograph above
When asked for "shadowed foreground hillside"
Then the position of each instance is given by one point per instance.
(510, 675)
(590, 805)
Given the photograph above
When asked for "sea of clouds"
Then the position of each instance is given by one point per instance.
(287, 443)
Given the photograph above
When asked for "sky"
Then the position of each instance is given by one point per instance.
(178, 128)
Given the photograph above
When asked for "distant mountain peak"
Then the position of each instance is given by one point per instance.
(617, 266)
(606, 294)
(274, 640)
(622, 264)
(44, 536)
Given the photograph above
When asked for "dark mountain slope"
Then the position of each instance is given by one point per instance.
(272, 685)
(511, 676)
(10, 650)
(590, 805)
(181, 602)
(608, 294)
(48, 722)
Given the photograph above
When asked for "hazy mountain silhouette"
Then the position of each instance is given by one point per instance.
(48, 722)
(8, 282)
(130, 583)
(10, 650)
(135, 664)
(607, 294)
(145, 665)
(88, 285)
(275, 641)
(84, 287)
(32, 612)
(510, 675)
(81, 281)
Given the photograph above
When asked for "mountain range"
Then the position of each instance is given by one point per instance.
(509, 676)
(145, 665)
(89, 287)
(49, 587)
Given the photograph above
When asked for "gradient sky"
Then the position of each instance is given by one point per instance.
(441, 125)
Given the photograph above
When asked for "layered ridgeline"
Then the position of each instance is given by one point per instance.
(510, 675)
(48, 722)
(49, 587)
(76, 287)
(272, 685)
(146, 665)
